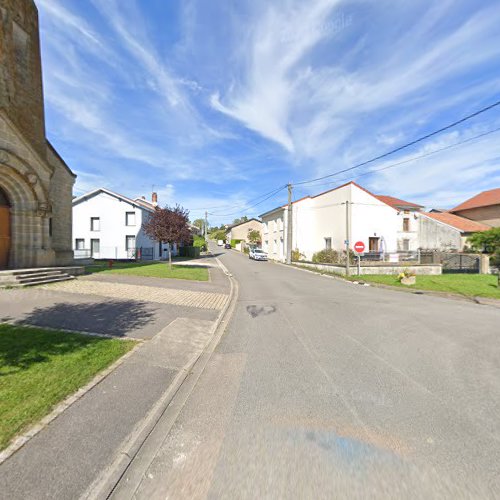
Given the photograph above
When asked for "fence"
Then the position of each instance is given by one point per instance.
(81, 253)
(117, 253)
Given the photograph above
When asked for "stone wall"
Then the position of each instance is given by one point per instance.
(35, 179)
(21, 93)
(61, 196)
(421, 269)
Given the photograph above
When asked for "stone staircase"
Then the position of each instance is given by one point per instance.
(38, 276)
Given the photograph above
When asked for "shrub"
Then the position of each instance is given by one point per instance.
(327, 256)
(297, 255)
(331, 256)
(199, 241)
(235, 242)
(246, 250)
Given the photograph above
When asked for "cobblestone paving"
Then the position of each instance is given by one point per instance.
(202, 300)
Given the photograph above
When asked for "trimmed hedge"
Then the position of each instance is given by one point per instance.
(192, 252)
(235, 242)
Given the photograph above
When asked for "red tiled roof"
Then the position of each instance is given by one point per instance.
(484, 199)
(396, 202)
(461, 223)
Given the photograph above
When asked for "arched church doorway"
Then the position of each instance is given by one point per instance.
(5, 236)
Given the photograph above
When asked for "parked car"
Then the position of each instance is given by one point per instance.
(220, 243)
(257, 254)
(227, 246)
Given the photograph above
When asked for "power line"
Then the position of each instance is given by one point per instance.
(424, 155)
(273, 193)
(412, 143)
(233, 206)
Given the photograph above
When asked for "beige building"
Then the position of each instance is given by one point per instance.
(35, 183)
(484, 208)
(240, 231)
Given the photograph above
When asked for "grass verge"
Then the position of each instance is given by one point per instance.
(468, 285)
(39, 368)
(151, 270)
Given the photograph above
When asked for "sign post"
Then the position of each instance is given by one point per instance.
(359, 248)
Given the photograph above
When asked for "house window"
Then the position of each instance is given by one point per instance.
(130, 218)
(406, 224)
(95, 224)
(328, 243)
(50, 227)
(79, 243)
(95, 248)
(406, 245)
(130, 242)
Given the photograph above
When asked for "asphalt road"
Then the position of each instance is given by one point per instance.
(326, 389)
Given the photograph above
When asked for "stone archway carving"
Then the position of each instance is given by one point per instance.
(30, 209)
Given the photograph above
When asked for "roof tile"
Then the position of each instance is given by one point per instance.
(484, 199)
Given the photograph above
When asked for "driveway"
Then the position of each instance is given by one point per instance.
(326, 389)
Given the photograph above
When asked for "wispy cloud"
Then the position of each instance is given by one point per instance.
(222, 101)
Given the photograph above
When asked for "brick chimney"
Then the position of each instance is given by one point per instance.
(154, 199)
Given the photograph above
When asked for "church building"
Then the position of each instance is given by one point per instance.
(35, 183)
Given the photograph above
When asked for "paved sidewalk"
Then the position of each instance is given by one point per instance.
(118, 305)
(68, 456)
(161, 295)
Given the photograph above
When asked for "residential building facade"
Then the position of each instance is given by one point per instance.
(240, 231)
(107, 225)
(385, 224)
(35, 183)
(446, 231)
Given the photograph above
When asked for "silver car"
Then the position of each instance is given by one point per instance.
(257, 254)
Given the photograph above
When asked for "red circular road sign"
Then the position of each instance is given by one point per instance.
(359, 246)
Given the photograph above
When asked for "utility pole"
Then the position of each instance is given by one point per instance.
(206, 225)
(347, 238)
(289, 231)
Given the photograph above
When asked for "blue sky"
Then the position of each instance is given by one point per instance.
(215, 103)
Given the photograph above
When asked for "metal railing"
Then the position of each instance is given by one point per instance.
(82, 253)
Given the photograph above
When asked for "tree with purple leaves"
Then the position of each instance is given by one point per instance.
(169, 225)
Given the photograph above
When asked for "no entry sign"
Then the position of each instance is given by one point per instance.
(359, 246)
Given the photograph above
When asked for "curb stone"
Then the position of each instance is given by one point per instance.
(109, 480)
(21, 440)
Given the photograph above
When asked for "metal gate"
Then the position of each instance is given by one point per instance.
(460, 263)
(145, 253)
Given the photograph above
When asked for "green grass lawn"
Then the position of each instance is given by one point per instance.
(151, 270)
(39, 368)
(470, 285)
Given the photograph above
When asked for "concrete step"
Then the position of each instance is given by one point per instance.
(39, 274)
(42, 277)
(43, 281)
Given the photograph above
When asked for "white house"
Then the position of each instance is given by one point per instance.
(107, 225)
(382, 223)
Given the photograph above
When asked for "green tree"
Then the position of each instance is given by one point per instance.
(253, 236)
(199, 223)
(240, 220)
(218, 235)
(487, 241)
